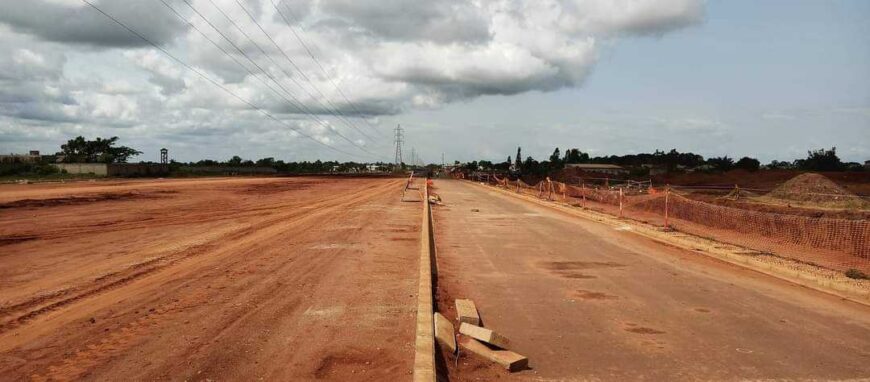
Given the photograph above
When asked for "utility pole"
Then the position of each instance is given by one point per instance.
(413, 157)
(399, 140)
(442, 161)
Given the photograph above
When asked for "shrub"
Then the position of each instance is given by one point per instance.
(853, 273)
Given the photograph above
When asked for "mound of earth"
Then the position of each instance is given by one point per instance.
(813, 188)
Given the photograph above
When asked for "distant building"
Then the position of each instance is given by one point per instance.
(655, 169)
(608, 169)
(31, 157)
(115, 169)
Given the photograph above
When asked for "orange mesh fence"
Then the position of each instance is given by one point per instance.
(839, 244)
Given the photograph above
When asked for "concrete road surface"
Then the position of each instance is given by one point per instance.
(586, 301)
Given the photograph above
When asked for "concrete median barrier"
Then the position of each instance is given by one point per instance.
(424, 354)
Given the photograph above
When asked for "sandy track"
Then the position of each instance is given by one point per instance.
(302, 278)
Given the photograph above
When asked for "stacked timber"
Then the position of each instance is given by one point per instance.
(477, 339)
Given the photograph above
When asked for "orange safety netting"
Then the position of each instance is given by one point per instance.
(838, 244)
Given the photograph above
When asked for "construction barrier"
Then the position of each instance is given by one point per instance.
(839, 244)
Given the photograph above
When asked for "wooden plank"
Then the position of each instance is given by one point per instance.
(444, 333)
(485, 335)
(466, 311)
(506, 358)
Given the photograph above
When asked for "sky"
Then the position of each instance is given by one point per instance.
(314, 79)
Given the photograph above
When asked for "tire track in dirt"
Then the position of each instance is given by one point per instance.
(59, 299)
(188, 214)
(178, 218)
(263, 297)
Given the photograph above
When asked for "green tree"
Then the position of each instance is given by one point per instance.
(81, 150)
(503, 166)
(556, 159)
(235, 161)
(721, 163)
(747, 163)
(576, 156)
(530, 166)
(779, 165)
(267, 162)
(519, 161)
(820, 160)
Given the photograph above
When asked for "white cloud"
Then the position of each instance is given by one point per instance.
(76, 23)
(27, 57)
(164, 73)
(388, 56)
(621, 17)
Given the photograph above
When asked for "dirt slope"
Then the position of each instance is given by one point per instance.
(813, 188)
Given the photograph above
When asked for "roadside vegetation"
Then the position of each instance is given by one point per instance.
(107, 150)
(856, 274)
(671, 162)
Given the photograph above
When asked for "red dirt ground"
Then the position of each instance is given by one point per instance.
(785, 209)
(759, 183)
(227, 279)
(855, 182)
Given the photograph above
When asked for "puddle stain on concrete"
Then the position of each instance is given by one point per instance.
(570, 269)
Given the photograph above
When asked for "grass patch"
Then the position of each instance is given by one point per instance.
(853, 273)
(45, 178)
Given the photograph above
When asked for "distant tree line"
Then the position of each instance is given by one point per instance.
(304, 167)
(100, 150)
(81, 150)
(816, 160)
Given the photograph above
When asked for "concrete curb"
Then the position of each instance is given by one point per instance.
(424, 346)
(721, 251)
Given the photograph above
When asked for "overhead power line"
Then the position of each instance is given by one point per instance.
(209, 79)
(210, 40)
(301, 105)
(335, 109)
(322, 69)
(269, 57)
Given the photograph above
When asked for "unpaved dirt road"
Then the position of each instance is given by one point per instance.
(222, 279)
(585, 301)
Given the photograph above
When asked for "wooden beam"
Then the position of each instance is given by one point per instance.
(466, 311)
(444, 333)
(506, 358)
(484, 334)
